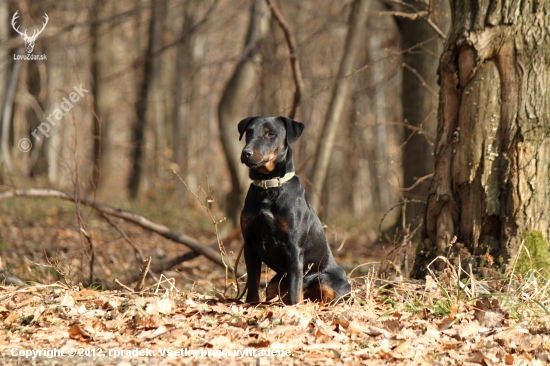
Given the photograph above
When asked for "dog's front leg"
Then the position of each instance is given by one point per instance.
(254, 269)
(295, 275)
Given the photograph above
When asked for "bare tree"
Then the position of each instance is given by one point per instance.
(490, 185)
(98, 130)
(184, 65)
(4, 66)
(230, 109)
(150, 71)
(358, 17)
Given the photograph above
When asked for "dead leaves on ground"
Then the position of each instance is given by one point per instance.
(371, 332)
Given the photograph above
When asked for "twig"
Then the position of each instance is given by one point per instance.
(294, 60)
(419, 44)
(424, 15)
(412, 16)
(144, 271)
(214, 221)
(138, 252)
(418, 181)
(123, 285)
(424, 84)
(394, 206)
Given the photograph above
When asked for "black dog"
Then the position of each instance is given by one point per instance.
(279, 226)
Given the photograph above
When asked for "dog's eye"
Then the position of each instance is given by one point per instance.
(270, 135)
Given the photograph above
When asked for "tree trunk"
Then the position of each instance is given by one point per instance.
(5, 159)
(420, 99)
(98, 129)
(490, 185)
(5, 154)
(184, 72)
(157, 91)
(379, 76)
(323, 153)
(231, 109)
(138, 130)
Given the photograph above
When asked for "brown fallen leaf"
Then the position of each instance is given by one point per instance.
(11, 318)
(383, 355)
(86, 294)
(149, 322)
(150, 334)
(239, 323)
(319, 333)
(221, 308)
(263, 343)
(509, 359)
(477, 358)
(316, 355)
(468, 330)
(341, 323)
(98, 325)
(450, 344)
(392, 325)
(403, 346)
(77, 332)
(446, 323)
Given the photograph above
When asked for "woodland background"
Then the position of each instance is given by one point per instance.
(167, 86)
(170, 79)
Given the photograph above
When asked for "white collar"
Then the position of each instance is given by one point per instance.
(275, 182)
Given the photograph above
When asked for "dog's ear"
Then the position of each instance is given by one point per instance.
(293, 129)
(243, 124)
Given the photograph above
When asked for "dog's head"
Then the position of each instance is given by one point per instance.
(267, 141)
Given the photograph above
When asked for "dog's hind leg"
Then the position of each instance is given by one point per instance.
(278, 286)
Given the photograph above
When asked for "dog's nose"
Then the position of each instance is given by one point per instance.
(246, 154)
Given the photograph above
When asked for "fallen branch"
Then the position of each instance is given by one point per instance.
(201, 249)
(10, 279)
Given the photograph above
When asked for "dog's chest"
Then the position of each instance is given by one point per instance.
(264, 223)
(266, 227)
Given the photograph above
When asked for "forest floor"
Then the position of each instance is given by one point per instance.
(188, 316)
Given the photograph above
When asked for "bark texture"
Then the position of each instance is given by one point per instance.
(490, 186)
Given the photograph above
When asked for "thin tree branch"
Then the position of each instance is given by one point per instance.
(418, 181)
(424, 15)
(294, 59)
(424, 83)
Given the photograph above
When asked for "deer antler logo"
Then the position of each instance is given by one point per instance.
(29, 41)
